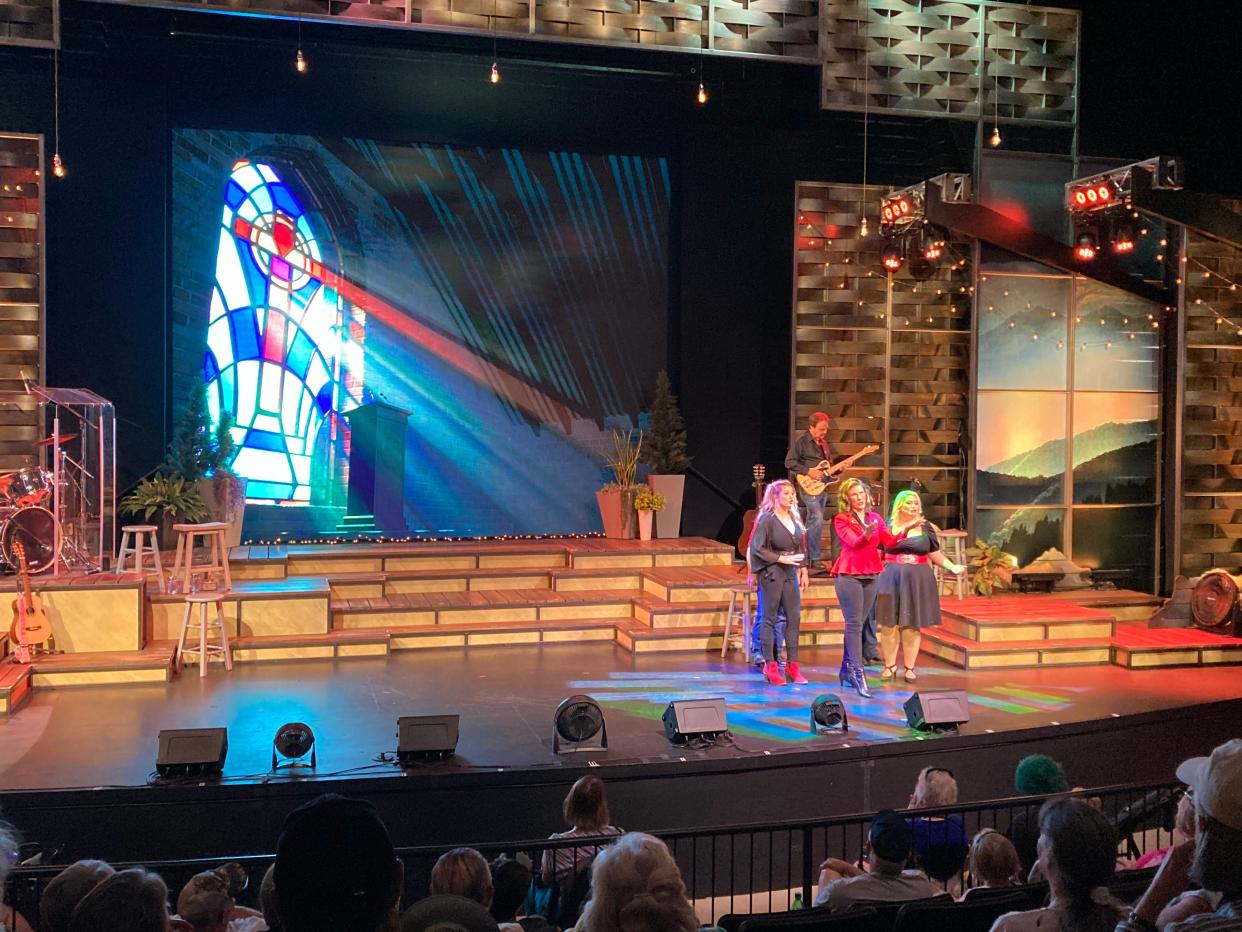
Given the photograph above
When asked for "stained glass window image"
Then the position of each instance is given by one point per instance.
(277, 348)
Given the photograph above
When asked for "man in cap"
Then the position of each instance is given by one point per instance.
(1213, 859)
(843, 885)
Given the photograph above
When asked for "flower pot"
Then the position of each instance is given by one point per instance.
(225, 498)
(672, 487)
(644, 524)
(628, 515)
(609, 501)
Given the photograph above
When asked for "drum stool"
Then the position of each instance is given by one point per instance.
(739, 608)
(204, 649)
(134, 544)
(218, 562)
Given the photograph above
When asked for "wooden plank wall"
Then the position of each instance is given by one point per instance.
(21, 293)
(30, 22)
(888, 359)
(1211, 532)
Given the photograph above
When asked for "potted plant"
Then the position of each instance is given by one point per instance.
(646, 503)
(616, 499)
(201, 453)
(168, 500)
(665, 453)
(992, 568)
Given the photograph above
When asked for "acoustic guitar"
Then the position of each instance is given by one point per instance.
(815, 486)
(758, 471)
(30, 624)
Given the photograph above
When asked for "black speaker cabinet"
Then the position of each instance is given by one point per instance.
(694, 718)
(426, 737)
(936, 709)
(192, 752)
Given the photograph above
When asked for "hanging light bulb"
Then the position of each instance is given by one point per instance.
(862, 228)
(494, 77)
(995, 139)
(58, 166)
(700, 98)
(300, 63)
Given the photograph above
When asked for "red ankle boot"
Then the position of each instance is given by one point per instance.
(773, 672)
(795, 675)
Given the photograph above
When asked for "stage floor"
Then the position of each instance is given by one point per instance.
(106, 736)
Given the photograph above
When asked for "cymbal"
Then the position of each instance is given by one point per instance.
(47, 441)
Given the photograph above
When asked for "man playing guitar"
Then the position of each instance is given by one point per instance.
(808, 451)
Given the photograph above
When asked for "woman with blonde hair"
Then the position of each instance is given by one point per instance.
(637, 887)
(991, 862)
(909, 598)
(777, 557)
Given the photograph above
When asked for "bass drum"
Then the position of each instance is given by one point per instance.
(36, 529)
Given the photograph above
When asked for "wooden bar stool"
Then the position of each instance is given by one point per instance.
(954, 545)
(739, 608)
(204, 649)
(134, 544)
(213, 534)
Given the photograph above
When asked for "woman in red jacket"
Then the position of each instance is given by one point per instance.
(856, 572)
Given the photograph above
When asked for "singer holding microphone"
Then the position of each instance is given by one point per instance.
(777, 556)
(856, 572)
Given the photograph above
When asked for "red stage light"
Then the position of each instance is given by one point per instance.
(888, 213)
(891, 256)
(1092, 196)
(904, 206)
(1080, 197)
(932, 250)
(1105, 192)
(1085, 247)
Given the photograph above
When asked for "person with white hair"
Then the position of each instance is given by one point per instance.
(940, 840)
(1211, 859)
(637, 887)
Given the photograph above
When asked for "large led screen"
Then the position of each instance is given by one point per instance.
(513, 302)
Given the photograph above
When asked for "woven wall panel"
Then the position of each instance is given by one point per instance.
(949, 59)
(21, 294)
(895, 377)
(1211, 533)
(30, 22)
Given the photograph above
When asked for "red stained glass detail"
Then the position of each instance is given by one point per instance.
(282, 234)
(274, 337)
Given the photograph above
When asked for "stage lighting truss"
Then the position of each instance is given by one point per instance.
(828, 711)
(1114, 187)
(903, 210)
(578, 719)
(293, 741)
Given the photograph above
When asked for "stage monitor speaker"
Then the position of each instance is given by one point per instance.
(937, 709)
(426, 737)
(192, 752)
(694, 718)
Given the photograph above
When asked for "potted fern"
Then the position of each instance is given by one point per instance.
(165, 500)
(665, 453)
(616, 499)
(646, 503)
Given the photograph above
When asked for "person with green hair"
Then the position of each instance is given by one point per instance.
(909, 597)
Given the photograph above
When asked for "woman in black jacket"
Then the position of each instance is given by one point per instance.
(778, 559)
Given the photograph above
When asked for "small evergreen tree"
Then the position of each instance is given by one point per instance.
(199, 448)
(665, 449)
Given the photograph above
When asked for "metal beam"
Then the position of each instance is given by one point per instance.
(1200, 212)
(983, 223)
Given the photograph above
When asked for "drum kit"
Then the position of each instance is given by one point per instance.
(26, 516)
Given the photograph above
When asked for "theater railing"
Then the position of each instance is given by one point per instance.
(735, 869)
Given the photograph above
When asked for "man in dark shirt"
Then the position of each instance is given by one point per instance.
(808, 450)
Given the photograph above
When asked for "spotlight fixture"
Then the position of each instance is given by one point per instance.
(828, 711)
(293, 741)
(578, 719)
(1123, 237)
(892, 256)
(1086, 245)
(300, 63)
(701, 96)
(931, 243)
(494, 77)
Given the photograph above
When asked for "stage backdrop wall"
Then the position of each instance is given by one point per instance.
(514, 302)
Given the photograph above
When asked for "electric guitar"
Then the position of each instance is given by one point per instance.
(815, 486)
(758, 471)
(30, 624)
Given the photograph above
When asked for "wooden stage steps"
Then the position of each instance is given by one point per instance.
(369, 599)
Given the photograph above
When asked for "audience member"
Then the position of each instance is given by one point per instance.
(939, 841)
(10, 919)
(1077, 852)
(992, 862)
(206, 903)
(336, 869)
(1210, 860)
(1035, 775)
(133, 900)
(510, 883)
(66, 890)
(447, 912)
(843, 885)
(464, 872)
(1183, 830)
(267, 900)
(586, 811)
(637, 887)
